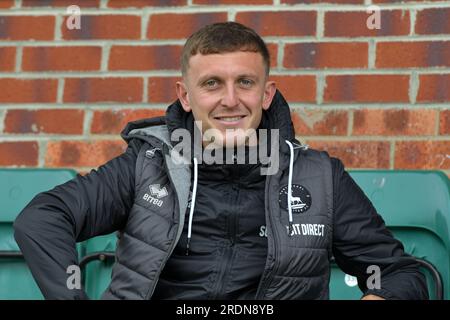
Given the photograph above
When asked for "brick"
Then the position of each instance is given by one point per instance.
(145, 3)
(113, 27)
(114, 121)
(7, 59)
(103, 90)
(19, 153)
(67, 121)
(319, 122)
(162, 89)
(357, 154)
(61, 3)
(82, 153)
(225, 2)
(5, 4)
(280, 23)
(326, 55)
(422, 155)
(296, 88)
(180, 26)
(27, 27)
(165, 57)
(322, 1)
(61, 58)
(433, 21)
(27, 91)
(354, 24)
(444, 122)
(367, 88)
(273, 52)
(397, 1)
(434, 88)
(413, 54)
(396, 122)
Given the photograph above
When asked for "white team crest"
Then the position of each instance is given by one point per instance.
(157, 191)
(301, 199)
(297, 203)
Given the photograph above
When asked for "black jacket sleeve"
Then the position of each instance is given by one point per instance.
(361, 239)
(48, 228)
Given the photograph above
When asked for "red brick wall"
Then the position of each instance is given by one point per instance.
(374, 98)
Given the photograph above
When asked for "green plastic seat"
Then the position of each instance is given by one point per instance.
(416, 208)
(17, 188)
(97, 264)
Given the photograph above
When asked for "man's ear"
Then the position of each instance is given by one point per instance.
(183, 96)
(269, 91)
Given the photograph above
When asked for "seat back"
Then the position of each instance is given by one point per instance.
(97, 264)
(416, 208)
(17, 188)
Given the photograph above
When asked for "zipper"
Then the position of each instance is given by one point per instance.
(220, 283)
(174, 243)
(229, 249)
(234, 220)
(264, 283)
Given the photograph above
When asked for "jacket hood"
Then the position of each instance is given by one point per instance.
(140, 124)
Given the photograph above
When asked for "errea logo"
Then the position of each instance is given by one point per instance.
(155, 194)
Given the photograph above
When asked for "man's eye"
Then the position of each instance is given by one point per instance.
(211, 83)
(246, 82)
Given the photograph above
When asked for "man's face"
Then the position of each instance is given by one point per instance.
(226, 91)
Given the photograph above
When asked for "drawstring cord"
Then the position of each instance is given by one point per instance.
(191, 211)
(289, 198)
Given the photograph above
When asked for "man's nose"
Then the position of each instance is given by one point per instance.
(230, 97)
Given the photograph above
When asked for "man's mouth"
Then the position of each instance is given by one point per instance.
(229, 119)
